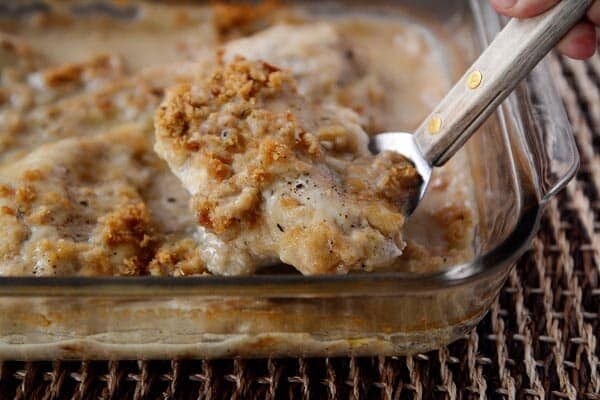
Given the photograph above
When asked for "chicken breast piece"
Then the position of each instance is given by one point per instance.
(276, 178)
(95, 206)
(374, 67)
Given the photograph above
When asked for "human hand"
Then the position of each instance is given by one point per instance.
(579, 43)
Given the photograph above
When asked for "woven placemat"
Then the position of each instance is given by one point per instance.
(538, 341)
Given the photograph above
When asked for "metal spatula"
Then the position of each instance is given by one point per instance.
(507, 60)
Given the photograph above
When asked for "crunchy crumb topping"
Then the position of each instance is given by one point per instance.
(127, 224)
(74, 73)
(245, 133)
(25, 195)
(180, 258)
(85, 207)
(233, 90)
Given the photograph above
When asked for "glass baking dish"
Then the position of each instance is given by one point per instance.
(521, 157)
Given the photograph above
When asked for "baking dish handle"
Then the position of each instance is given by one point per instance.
(542, 124)
(552, 152)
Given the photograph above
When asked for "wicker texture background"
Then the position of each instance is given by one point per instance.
(540, 339)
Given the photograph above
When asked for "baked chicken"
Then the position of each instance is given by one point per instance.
(274, 177)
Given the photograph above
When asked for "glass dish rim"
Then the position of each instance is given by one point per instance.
(382, 283)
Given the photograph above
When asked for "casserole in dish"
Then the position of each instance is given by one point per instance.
(522, 155)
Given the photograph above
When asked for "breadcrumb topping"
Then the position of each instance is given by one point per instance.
(85, 207)
(244, 142)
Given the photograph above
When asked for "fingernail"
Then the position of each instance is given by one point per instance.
(505, 4)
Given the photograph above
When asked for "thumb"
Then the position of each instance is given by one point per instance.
(522, 8)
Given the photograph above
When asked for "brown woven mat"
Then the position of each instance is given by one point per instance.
(538, 341)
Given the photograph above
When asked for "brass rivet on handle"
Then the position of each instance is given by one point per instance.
(435, 124)
(474, 79)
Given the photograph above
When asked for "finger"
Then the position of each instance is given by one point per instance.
(593, 13)
(522, 8)
(580, 42)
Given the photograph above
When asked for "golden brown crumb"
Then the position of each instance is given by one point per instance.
(6, 191)
(8, 211)
(76, 72)
(32, 175)
(26, 194)
(180, 258)
(128, 224)
(249, 146)
(231, 20)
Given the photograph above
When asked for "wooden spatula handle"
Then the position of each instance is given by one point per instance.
(514, 52)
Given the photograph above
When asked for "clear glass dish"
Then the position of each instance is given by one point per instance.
(521, 157)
